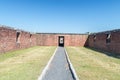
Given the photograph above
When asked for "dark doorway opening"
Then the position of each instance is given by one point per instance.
(17, 37)
(61, 41)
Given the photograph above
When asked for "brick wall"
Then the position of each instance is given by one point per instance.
(75, 39)
(8, 39)
(46, 39)
(11, 39)
(106, 41)
(51, 39)
(99, 41)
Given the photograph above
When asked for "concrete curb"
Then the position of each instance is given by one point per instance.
(71, 66)
(47, 66)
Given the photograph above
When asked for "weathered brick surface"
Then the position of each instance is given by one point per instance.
(8, 39)
(100, 42)
(51, 39)
(46, 40)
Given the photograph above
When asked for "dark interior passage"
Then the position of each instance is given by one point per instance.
(61, 41)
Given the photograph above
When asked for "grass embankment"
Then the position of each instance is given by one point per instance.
(92, 65)
(26, 64)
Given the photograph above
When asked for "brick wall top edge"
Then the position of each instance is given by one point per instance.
(63, 33)
(6, 27)
(11, 28)
(106, 32)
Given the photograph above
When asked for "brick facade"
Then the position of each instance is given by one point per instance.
(107, 41)
(51, 39)
(11, 39)
(8, 39)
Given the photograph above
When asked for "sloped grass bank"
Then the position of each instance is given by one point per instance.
(93, 65)
(25, 64)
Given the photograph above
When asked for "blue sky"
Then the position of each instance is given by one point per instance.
(62, 16)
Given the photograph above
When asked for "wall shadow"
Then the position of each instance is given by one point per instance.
(114, 55)
(87, 42)
(110, 54)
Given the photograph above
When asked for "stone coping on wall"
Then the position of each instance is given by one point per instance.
(20, 30)
(11, 28)
(106, 32)
(64, 33)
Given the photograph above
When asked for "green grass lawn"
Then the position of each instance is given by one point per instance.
(26, 64)
(92, 65)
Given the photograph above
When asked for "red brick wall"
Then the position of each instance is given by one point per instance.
(51, 39)
(26, 39)
(33, 41)
(8, 39)
(100, 42)
(75, 39)
(46, 40)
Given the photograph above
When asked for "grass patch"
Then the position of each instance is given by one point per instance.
(25, 64)
(93, 65)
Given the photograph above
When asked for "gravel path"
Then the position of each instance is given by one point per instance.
(58, 68)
